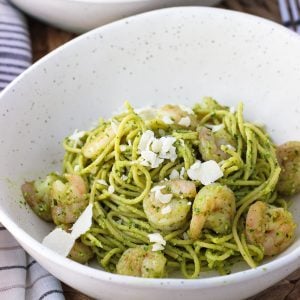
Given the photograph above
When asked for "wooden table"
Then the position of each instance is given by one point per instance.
(46, 38)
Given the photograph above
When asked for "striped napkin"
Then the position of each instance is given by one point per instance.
(21, 277)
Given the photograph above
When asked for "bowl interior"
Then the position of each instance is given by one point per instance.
(169, 56)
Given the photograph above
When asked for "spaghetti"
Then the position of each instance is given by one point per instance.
(109, 159)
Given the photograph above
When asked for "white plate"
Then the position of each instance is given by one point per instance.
(173, 55)
(83, 15)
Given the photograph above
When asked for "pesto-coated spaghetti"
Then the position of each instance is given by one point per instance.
(171, 190)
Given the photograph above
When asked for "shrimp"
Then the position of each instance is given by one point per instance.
(36, 194)
(210, 144)
(167, 204)
(176, 114)
(288, 156)
(213, 208)
(269, 226)
(69, 199)
(93, 147)
(142, 263)
(80, 253)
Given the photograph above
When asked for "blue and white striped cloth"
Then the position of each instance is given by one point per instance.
(15, 49)
(21, 277)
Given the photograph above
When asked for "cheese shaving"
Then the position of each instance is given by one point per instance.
(186, 109)
(124, 177)
(207, 172)
(76, 168)
(147, 113)
(153, 150)
(123, 148)
(174, 174)
(76, 136)
(157, 247)
(83, 223)
(156, 238)
(111, 189)
(182, 171)
(215, 128)
(167, 120)
(59, 241)
(186, 121)
(230, 147)
(102, 181)
(163, 198)
(166, 210)
(146, 140)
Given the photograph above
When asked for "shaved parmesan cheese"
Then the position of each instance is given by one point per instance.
(123, 148)
(174, 174)
(83, 223)
(76, 168)
(167, 143)
(157, 247)
(156, 238)
(115, 126)
(124, 177)
(186, 121)
(193, 171)
(150, 159)
(146, 140)
(165, 210)
(153, 151)
(168, 151)
(207, 172)
(232, 109)
(186, 109)
(210, 172)
(156, 145)
(182, 171)
(157, 188)
(102, 181)
(163, 198)
(230, 147)
(167, 120)
(171, 154)
(76, 136)
(111, 189)
(215, 128)
(129, 143)
(147, 113)
(59, 241)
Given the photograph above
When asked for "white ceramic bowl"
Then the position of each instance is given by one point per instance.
(175, 55)
(83, 15)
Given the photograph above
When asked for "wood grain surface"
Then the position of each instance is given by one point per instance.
(46, 38)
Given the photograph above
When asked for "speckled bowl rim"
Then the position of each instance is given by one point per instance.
(106, 1)
(164, 283)
(113, 1)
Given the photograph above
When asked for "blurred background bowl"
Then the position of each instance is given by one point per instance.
(175, 55)
(82, 15)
